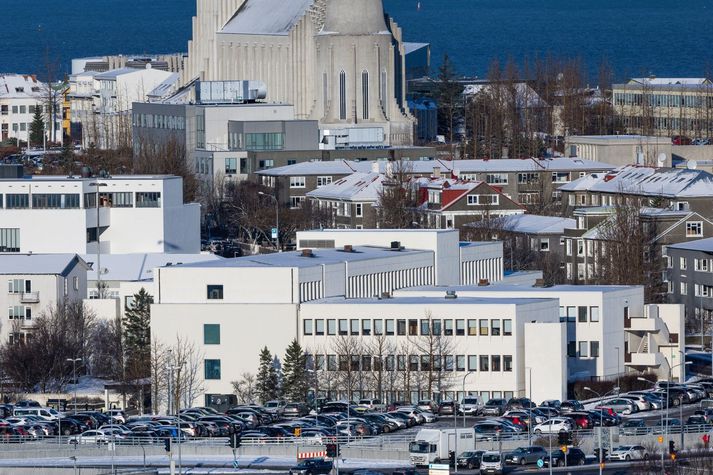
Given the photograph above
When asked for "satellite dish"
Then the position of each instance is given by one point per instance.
(661, 159)
(691, 164)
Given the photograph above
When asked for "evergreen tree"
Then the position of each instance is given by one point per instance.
(449, 98)
(137, 333)
(294, 373)
(67, 156)
(37, 127)
(267, 381)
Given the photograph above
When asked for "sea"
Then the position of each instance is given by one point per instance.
(634, 37)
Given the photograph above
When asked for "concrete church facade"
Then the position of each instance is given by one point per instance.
(340, 62)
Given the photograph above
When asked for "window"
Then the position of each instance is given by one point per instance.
(507, 327)
(472, 363)
(331, 362)
(307, 327)
(17, 201)
(401, 327)
(507, 363)
(594, 349)
(495, 363)
(211, 334)
(460, 327)
(472, 327)
(436, 327)
(342, 95)
(297, 182)
(472, 199)
(496, 178)
(684, 288)
(425, 327)
(319, 327)
(460, 363)
(358, 210)
(264, 141)
(266, 164)
(544, 245)
(483, 327)
(365, 94)
(527, 178)
(448, 362)
(323, 181)
(701, 265)
(212, 369)
(560, 177)
(448, 327)
(215, 292)
(18, 286)
(582, 314)
(354, 325)
(378, 327)
(331, 327)
(413, 327)
(231, 166)
(296, 201)
(389, 327)
(682, 263)
(694, 228)
(151, 199)
(319, 362)
(495, 327)
(570, 314)
(583, 349)
(55, 200)
(343, 327)
(593, 314)
(484, 363)
(572, 348)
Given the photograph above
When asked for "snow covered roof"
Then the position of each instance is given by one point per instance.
(411, 47)
(267, 17)
(358, 186)
(115, 73)
(138, 267)
(39, 264)
(165, 87)
(667, 81)
(647, 181)
(537, 224)
(705, 245)
(19, 86)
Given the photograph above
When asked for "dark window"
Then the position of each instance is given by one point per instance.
(582, 314)
(495, 362)
(148, 199)
(495, 327)
(211, 334)
(425, 327)
(436, 327)
(15, 200)
(507, 362)
(572, 348)
(401, 327)
(484, 363)
(215, 292)
(594, 349)
(212, 369)
(342, 95)
(413, 327)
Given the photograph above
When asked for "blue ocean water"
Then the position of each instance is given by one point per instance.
(662, 37)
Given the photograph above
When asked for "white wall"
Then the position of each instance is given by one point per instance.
(546, 343)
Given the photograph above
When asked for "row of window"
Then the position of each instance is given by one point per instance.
(151, 199)
(9, 240)
(581, 314)
(661, 100)
(491, 363)
(19, 312)
(159, 121)
(410, 327)
(4, 109)
(18, 286)
(474, 200)
(583, 349)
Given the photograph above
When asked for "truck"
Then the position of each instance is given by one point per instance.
(435, 445)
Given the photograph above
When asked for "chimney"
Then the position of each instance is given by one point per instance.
(483, 283)
(307, 253)
(539, 283)
(348, 248)
(395, 245)
(451, 294)
(86, 172)
(437, 172)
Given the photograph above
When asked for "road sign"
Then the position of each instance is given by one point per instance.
(235, 464)
(540, 463)
(564, 449)
(274, 233)
(660, 439)
(438, 469)
(298, 431)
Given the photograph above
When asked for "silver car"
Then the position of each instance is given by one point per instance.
(621, 405)
(629, 452)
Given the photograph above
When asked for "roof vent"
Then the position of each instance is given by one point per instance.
(348, 248)
(396, 245)
(307, 253)
(451, 294)
(539, 283)
(385, 295)
(483, 283)
(437, 172)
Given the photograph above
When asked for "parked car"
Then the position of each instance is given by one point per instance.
(519, 403)
(117, 414)
(622, 405)
(312, 466)
(554, 426)
(582, 420)
(447, 408)
(495, 431)
(570, 405)
(525, 455)
(575, 456)
(373, 404)
(470, 459)
(275, 407)
(633, 427)
(641, 402)
(494, 407)
(427, 405)
(629, 452)
(471, 405)
(492, 462)
(93, 437)
(672, 425)
(680, 140)
(699, 422)
(294, 410)
(553, 403)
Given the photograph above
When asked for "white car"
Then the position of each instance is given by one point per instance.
(554, 426)
(429, 416)
(97, 437)
(641, 402)
(471, 405)
(629, 452)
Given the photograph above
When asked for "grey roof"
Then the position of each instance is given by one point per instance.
(39, 264)
(705, 245)
(320, 256)
(555, 289)
(430, 300)
(114, 73)
(647, 181)
(358, 186)
(267, 17)
(138, 267)
(534, 224)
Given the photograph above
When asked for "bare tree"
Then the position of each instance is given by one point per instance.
(158, 362)
(348, 350)
(245, 389)
(432, 346)
(380, 347)
(397, 200)
(186, 360)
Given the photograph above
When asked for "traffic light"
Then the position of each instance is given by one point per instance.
(671, 447)
(562, 438)
(167, 444)
(235, 440)
(331, 450)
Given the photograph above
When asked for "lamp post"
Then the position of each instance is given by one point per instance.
(663, 411)
(617, 367)
(683, 365)
(529, 397)
(277, 219)
(177, 409)
(74, 376)
(601, 421)
(97, 185)
(464, 394)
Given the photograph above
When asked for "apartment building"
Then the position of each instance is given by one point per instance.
(665, 106)
(20, 96)
(35, 283)
(60, 214)
(689, 279)
(621, 150)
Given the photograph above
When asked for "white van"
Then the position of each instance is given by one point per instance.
(471, 405)
(45, 412)
(491, 462)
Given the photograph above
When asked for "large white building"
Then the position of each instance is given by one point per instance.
(59, 214)
(35, 283)
(20, 95)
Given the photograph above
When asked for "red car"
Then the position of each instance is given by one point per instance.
(680, 140)
(607, 410)
(582, 420)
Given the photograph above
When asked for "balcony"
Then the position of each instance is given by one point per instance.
(642, 361)
(30, 297)
(642, 325)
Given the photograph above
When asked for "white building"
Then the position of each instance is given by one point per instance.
(20, 95)
(58, 214)
(35, 283)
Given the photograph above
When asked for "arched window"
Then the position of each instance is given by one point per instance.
(383, 91)
(365, 94)
(343, 95)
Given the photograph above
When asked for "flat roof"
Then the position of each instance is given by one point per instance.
(76, 178)
(38, 264)
(139, 266)
(519, 288)
(319, 256)
(429, 300)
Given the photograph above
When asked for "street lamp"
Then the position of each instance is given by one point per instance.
(617, 366)
(277, 219)
(97, 185)
(601, 421)
(663, 411)
(74, 376)
(529, 408)
(464, 393)
(683, 365)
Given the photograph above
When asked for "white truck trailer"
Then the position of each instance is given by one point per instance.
(435, 445)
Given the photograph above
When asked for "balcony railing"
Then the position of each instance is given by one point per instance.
(30, 297)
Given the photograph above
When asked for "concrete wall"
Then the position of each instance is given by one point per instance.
(546, 343)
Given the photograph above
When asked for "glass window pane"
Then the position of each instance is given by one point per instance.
(211, 334)
(507, 327)
(593, 314)
(212, 369)
(307, 327)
